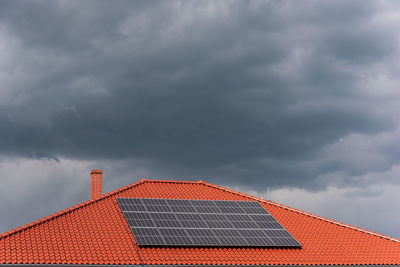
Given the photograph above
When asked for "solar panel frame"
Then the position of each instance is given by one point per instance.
(190, 223)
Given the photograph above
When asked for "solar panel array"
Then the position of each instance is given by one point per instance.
(177, 222)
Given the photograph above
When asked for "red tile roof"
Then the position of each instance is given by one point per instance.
(95, 232)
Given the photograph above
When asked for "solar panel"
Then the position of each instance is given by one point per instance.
(198, 223)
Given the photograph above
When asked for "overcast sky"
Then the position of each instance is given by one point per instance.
(301, 97)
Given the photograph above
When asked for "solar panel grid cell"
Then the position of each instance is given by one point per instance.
(200, 232)
(232, 210)
(257, 210)
(149, 236)
(229, 237)
(172, 222)
(150, 240)
(130, 207)
(244, 225)
(158, 209)
(203, 203)
(140, 223)
(247, 204)
(135, 201)
(259, 242)
(189, 217)
(207, 209)
(182, 209)
(154, 201)
(167, 224)
(178, 241)
(227, 204)
(194, 224)
(285, 242)
(262, 218)
(232, 241)
(205, 241)
(219, 224)
(269, 225)
(225, 232)
(277, 233)
(139, 219)
(182, 202)
(237, 217)
(214, 217)
(145, 231)
(172, 232)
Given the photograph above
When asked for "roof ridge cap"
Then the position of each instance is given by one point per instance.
(172, 181)
(70, 209)
(301, 212)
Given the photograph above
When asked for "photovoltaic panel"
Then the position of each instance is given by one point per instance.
(194, 223)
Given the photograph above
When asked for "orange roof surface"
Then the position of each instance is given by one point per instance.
(96, 232)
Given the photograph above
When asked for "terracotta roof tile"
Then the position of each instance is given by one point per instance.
(95, 232)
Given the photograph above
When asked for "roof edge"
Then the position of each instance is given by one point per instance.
(300, 211)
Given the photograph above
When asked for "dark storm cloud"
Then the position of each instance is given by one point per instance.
(237, 90)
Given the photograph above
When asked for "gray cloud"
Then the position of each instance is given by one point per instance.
(242, 93)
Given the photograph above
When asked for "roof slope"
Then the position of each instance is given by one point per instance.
(95, 232)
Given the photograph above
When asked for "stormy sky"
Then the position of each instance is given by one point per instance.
(294, 101)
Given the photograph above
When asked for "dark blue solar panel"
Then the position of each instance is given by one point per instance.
(176, 222)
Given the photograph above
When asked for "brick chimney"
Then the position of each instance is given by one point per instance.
(96, 183)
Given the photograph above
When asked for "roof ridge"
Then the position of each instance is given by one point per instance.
(172, 181)
(300, 211)
(71, 209)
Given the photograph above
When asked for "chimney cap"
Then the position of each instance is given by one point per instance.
(96, 172)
